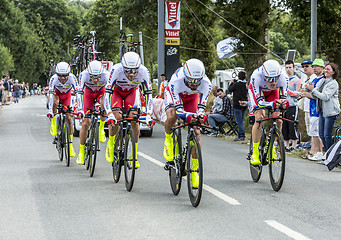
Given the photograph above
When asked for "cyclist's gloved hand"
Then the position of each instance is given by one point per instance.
(152, 123)
(80, 114)
(50, 115)
(149, 120)
(204, 118)
(189, 117)
(284, 105)
(111, 119)
(275, 104)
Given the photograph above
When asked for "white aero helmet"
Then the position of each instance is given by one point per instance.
(194, 70)
(271, 70)
(95, 68)
(131, 61)
(62, 69)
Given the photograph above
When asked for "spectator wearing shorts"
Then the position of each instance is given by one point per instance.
(316, 142)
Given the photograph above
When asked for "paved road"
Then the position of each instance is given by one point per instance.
(42, 199)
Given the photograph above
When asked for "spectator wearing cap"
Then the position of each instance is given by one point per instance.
(316, 143)
(16, 91)
(326, 93)
(289, 129)
(239, 90)
(163, 86)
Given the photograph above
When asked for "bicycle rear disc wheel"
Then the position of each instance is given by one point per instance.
(276, 160)
(255, 170)
(175, 176)
(67, 142)
(194, 153)
(129, 159)
(117, 163)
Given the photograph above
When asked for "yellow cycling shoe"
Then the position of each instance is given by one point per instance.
(255, 160)
(109, 155)
(53, 128)
(72, 150)
(137, 164)
(80, 158)
(101, 136)
(168, 150)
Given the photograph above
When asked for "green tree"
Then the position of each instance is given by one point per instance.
(328, 25)
(6, 60)
(102, 17)
(21, 40)
(251, 18)
(197, 31)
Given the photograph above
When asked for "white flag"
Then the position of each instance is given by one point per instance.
(225, 48)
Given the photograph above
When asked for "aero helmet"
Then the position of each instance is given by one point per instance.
(194, 70)
(131, 61)
(95, 68)
(271, 70)
(62, 69)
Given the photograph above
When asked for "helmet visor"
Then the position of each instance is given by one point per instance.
(131, 70)
(271, 79)
(193, 80)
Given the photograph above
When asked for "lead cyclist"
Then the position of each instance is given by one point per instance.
(267, 90)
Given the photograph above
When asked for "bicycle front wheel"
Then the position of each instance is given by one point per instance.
(194, 171)
(276, 160)
(66, 144)
(118, 157)
(175, 173)
(94, 141)
(59, 138)
(129, 159)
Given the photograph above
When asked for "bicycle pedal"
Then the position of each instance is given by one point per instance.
(167, 166)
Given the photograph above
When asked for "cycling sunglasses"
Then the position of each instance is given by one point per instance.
(95, 76)
(61, 75)
(193, 80)
(271, 79)
(131, 70)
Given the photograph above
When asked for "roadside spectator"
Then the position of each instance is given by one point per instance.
(16, 91)
(289, 129)
(239, 90)
(326, 92)
(163, 86)
(217, 102)
(316, 142)
(1, 89)
(221, 116)
(5, 91)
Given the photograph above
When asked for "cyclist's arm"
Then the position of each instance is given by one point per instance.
(206, 90)
(80, 92)
(147, 89)
(109, 90)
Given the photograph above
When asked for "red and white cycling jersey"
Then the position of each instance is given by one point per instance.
(118, 79)
(260, 95)
(94, 90)
(177, 90)
(58, 88)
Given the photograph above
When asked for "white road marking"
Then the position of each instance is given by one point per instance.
(215, 192)
(287, 231)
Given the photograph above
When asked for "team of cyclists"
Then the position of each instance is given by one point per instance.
(185, 97)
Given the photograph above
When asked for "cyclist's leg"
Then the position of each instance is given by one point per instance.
(53, 128)
(66, 100)
(168, 144)
(256, 136)
(133, 99)
(100, 100)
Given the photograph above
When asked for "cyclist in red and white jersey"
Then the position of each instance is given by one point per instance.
(124, 81)
(92, 82)
(60, 87)
(267, 89)
(186, 97)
